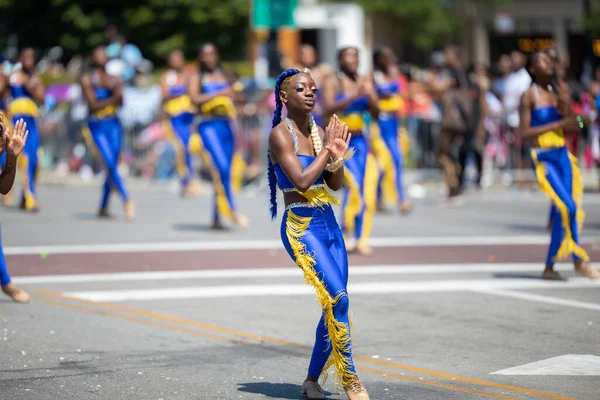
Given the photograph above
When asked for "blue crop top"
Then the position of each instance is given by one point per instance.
(283, 181)
(388, 88)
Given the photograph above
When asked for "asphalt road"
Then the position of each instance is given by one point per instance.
(449, 307)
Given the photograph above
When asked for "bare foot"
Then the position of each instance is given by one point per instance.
(217, 226)
(192, 189)
(241, 220)
(16, 293)
(405, 207)
(7, 200)
(552, 275)
(364, 250)
(129, 210)
(103, 213)
(583, 268)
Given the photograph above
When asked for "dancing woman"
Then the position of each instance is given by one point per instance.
(544, 116)
(27, 91)
(212, 91)
(4, 90)
(177, 104)
(352, 96)
(387, 140)
(104, 94)
(302, 159)
(12, 146)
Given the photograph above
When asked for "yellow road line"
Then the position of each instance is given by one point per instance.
(267, 339)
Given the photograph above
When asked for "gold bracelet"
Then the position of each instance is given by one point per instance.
(334, 166)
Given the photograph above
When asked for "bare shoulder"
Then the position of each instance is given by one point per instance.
(280, 134)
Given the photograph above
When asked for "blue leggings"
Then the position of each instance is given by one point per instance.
(218, 142)
(107, 138)
(29, 160)
(388, 128)
(559, 174)
(323, 240)
(361, 180)
(4, 276)
(181, 127)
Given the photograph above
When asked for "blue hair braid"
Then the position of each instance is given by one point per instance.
(276, 120)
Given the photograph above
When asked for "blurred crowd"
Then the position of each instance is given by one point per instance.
(480, 147)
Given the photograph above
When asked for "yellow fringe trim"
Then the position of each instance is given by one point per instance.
(392, 104)
(223, 205)
(238, 166)
(552, 139)
(320, 197)
(354, 203)
(355, 122)
(404, 142)
(23, 163)
(370, 198)
(338, 332)
(89, 141)
(386, 166)
(577, 190)
(567, 245)
(179, 105)
(108, 111)
(172, 137)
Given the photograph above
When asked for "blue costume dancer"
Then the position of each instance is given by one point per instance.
(298, 163)
(7, 198)
(386, 137)
(27, 91)
(104, 94)
(180, 111)
(11, 152)
(361, 175)
(555, 167)
(212, 93)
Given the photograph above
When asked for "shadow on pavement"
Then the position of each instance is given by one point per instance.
(273, 390)
(198, 227)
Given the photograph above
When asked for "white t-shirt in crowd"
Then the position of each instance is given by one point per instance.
(516, 84)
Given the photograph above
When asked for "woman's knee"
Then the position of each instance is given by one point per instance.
(342, 305)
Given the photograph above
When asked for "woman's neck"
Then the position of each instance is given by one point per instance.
(350, 75)
(543, 82)
(301, 121)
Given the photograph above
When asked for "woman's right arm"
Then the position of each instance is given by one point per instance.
(330, 105)
(528, 132)
(281, 148)
(93, 103)
(198, 97)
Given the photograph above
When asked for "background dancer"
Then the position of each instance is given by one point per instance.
(212, 91)
(104, 94)
(556, 168)
(27, 92)
(301, 160)
(177, 104)
(352, 95)
(386, 140)
(11, 146)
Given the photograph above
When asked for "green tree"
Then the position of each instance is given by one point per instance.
(429, 23)
(156, 26)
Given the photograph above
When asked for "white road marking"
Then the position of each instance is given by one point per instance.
(275, 244)
(289, 271)
(566, 365)
(542, 299)
(431, 286)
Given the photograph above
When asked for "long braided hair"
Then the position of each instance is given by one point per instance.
(276, 120)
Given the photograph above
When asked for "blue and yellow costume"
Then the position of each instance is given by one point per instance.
(361, 174)
(24, 107)
(104, 136)
(178, 129)
(559, 177)
(6, 122)
(386, 139)
(216, 143)
(313, 239)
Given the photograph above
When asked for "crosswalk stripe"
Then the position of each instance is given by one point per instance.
(288, 271)
(429, 286)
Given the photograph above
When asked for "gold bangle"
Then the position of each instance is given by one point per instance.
(334, 166)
